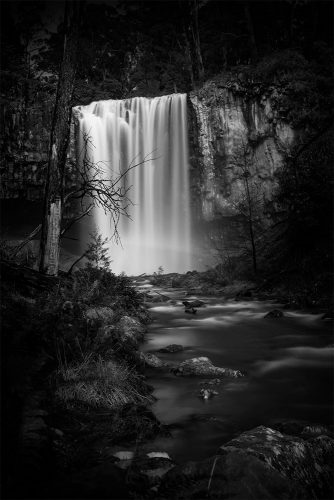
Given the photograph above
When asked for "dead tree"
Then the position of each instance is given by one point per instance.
(192, 39)
(59, 138)
(251, 33)
(97, 187)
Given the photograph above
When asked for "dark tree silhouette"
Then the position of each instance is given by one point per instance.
(59, 139)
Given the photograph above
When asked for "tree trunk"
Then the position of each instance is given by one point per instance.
(59, 138)
(194, 42)
(189, 60)
(250, 225)
(250, 28)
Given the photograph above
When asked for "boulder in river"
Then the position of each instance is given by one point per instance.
(172, 348)
(152, 361)
(275, 313)
(203, 367)
(259, 463)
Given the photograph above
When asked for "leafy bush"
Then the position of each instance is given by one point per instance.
(305, 191)
(97, 252)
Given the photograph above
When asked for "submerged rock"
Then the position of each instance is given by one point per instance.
(159, 297)
(260, 463)
(275, 313)
(172, 348)
(191, 311)
(203, 367)
(193, 303)
(213, 381)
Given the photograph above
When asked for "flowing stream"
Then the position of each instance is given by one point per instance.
(124, 133)
(288, 364)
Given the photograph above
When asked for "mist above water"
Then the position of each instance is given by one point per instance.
(129, 132)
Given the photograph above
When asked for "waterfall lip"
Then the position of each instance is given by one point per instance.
(81, 107)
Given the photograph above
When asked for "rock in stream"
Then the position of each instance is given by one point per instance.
(203, 367)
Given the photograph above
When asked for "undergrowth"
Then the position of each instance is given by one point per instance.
(98, 383)
(62, 315)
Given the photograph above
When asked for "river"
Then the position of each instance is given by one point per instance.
(288, 366)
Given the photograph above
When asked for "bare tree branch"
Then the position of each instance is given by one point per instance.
(100, 189)
(26, 241)
(75, 219)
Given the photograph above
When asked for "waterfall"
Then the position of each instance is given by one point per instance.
(127, 132)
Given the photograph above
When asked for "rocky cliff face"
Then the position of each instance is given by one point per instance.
(25, 130)
(229, 133)
(232, 136)
(24, 144)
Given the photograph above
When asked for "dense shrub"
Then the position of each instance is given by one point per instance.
(61, 314)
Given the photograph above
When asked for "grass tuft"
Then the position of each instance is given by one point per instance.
(100, 384)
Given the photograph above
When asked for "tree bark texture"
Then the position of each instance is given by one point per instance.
(59, 139)
(251, 33)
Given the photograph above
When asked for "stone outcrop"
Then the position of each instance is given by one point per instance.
(25, 134)
(260, 463)
(232, 132)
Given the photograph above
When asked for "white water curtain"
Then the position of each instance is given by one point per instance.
(124, 133)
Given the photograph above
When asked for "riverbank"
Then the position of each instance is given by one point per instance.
(73, 381)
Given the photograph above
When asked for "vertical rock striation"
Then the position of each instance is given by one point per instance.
(234, 133)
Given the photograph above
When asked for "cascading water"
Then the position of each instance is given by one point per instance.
(128, 132)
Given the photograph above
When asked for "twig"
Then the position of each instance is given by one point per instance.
(76, 262)
(24, 243)
(212, 471)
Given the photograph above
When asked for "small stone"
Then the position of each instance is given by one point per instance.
(275, 313)
(124, 455)
(172, 348)
(208, 393)
(158, 454)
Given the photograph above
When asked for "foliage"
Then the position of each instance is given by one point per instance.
(97, 252)
(300, 90)
(61, 314)
(305, 191)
